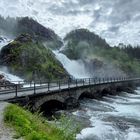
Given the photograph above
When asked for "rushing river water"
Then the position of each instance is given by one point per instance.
(111, 118)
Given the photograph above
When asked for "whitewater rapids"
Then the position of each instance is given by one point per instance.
(112, 118)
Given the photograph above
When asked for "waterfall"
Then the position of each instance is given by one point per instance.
(3, 69)
(4, 41)
(75, 68)
(9, 77)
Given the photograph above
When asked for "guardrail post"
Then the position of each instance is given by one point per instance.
(103, 80)
(16, 89)
(94, 81)
(89, 81)
(68, 84)
(59, 84)
(48, 86)
(76, 82)
(99, 80)
(83, 82)
(34, 88)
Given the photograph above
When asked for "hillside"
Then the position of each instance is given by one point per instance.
(100, 58)
(29, 59)
(13, 27)
(84, 40)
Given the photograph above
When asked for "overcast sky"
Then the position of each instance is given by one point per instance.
(115, 20)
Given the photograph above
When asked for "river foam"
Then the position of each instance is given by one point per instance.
(112, 118)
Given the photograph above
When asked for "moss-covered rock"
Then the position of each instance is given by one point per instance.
(30, 59)
(80, 42)
(39, 32)
(85, 45)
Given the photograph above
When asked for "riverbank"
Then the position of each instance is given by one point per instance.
(34, 127)
(29, 126)
(5, 132)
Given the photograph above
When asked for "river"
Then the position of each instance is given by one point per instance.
(111, 118)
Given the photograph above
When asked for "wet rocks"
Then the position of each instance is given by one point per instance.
(5, 84)
(122, 125)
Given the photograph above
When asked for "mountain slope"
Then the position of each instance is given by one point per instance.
(14, 27)
(99, 58)
(82, 40)
(29, 59)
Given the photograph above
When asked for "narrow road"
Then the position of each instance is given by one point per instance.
(5, 133)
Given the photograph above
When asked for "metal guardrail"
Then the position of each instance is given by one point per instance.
(50, 86)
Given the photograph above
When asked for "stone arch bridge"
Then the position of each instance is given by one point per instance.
(65, 94)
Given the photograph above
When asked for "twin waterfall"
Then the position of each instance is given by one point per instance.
(110, 118)
(75, 68)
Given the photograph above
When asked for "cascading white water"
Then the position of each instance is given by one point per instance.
(75, 68)
(3, 70)
(4, 41)
(9, 77)
(111, 118)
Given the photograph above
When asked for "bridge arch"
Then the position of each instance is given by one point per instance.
(43, 101)
(85, 94)
(49, 107)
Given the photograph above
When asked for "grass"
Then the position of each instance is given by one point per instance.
(34, 127)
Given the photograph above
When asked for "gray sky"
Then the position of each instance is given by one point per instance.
(115, 20)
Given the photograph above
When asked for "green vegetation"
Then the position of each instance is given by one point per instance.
(83, 44)
(118, 58)
(31, 60)
(34, 127)
(36, 58)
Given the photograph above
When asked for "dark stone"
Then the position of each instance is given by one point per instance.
(94, 64)
(6, 55)
(1, 39)
(71, 103)
(24, 38)
(38, 31)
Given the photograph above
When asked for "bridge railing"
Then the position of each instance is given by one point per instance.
(21, 87)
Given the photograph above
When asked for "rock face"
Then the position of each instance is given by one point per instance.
(1, 77)
(29, 59)
(81, 42)
(85, 35)
(39, 32)
(99, 68)
(14, 27)
(4, 83)
(1, 39)
(94, 64)
(6, 55)
(23, 38)
(35, 29)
